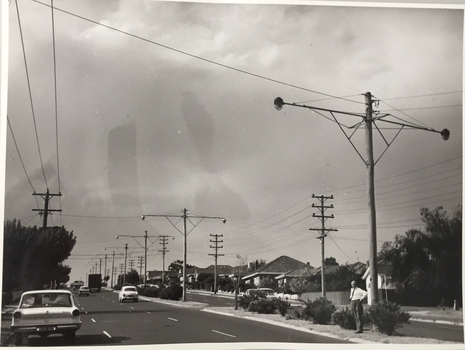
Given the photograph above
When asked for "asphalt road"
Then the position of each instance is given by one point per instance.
(108, 322)
(447, 332)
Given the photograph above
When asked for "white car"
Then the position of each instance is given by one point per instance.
(44, 312)
(128, 293)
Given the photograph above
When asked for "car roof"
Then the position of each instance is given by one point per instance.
(47, 291)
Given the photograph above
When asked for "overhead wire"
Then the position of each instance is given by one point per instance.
(56, 108)
(196, 56)
(30, 92)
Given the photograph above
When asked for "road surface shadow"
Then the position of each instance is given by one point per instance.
(100, 312)
(85, 339)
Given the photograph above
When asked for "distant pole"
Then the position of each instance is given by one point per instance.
(184, 269)
(100, 266)
(322, 236)
(145, 260)
(105, 270)
(216, 247)
(371, 199)
(112, 269)
(125, 262)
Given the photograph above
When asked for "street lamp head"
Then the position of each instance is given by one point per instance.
(143, 217)
(278, 103)
(224, 220)
(445, 134)
(117, 237)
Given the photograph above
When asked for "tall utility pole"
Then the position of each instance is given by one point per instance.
(216, 255)
(184, 217)
(141, 259)
(145, 237)
(369, 121)
(46, 197)
(100, 268)
(370, 163)
(112, 269)
(131, 264)
(164, 241)
(322, 207)
(125, 262)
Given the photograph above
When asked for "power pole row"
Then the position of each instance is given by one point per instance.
(216, 255)
(323, 234)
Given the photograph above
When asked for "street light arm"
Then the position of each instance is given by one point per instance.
(279, 103)
(445, 133)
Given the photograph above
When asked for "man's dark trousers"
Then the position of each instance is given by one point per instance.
(357, 309)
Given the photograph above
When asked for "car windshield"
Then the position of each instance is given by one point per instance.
(46, 300)
(130, 289)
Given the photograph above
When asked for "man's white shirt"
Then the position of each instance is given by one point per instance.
(357, 294)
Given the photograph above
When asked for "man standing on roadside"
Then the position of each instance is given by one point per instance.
(356, 297)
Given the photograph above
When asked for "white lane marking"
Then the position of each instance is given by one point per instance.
(172, 319)
(132, 308)
(112, 301)
(108, 335)
(85, 312)
(226, 334)
(148, 312)
(92, 320)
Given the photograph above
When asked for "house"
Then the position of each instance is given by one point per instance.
(285, 278)
(156, 276)
(385, 281)
(273, 269)
(221, 271)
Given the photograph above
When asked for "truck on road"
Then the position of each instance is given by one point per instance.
(95, 282)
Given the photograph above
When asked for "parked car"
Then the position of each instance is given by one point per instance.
(45, 312)
(268, 292)
(84, 291)
(128, 293)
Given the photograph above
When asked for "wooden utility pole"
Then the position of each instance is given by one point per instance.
(371, 199)
(125, 262)
(163, 241)
(216, 255)
(323, 234)
(46, 197)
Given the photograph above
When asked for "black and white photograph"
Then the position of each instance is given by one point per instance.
(241, 175)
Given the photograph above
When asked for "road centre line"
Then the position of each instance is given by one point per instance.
(132, 307)
(148, 312)
(108, 335)
(92, 320)
(172, 319)
(226, 334)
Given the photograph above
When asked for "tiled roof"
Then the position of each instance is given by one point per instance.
(278, 266)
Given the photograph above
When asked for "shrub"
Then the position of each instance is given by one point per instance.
(344, 318)
(318, 311)
(150, 292)
(263, 306)
(282, 306)
(387, 317)
(244, 301)
(173, 292)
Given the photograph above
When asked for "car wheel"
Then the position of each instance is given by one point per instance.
(18, 339)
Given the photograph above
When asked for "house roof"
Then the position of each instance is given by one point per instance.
(220, 269)
(277, 266)
(296, 273)
(383, 269)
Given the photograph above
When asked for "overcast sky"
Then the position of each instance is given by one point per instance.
(163, 106)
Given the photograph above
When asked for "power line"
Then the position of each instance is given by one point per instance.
(195, 56)
(56, 104)
(20, 158)
(30, 92)
(425, 95)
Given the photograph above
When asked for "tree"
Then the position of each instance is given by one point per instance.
(254, 265)
(428, 264)
(132, 277)
(177, 266)
(33, 256)
(331, 262)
